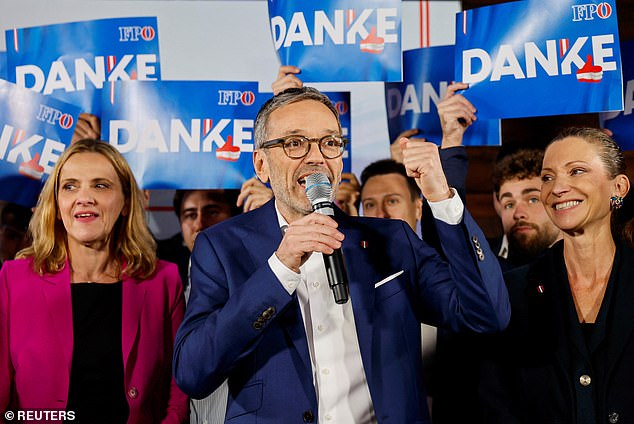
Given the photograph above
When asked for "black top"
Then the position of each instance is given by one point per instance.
(588, 350)
(97, 393)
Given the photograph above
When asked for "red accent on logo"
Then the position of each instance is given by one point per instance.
(342, 107)
(32, 169)
(372, 43)
(604, 10)
(207, 125)
(563, 46)
(19, 136)
(590, 72)
(247, 98)
(66, 121)
(112, 62)
(228, 151)
(148, 33)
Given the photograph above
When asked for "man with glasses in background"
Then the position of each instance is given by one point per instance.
(261, 312)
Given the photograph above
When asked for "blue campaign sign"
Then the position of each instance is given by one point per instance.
(190, 134)
(412, 104)
(183, 134)
(622, 123)
(3, 65)
(540, 57)
(339, 40)
(341, 101)
(35, 130)
(73, 61)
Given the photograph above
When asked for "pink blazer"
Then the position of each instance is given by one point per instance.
(36, 342)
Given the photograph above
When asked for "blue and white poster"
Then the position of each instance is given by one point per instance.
(540, 57)
(339, 40)
(35, 130)
(412, 104)
(183, 134)
(341, 101)
(73, 61)
(622, 123)
(3, 65)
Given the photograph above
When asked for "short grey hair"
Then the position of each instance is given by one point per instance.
(609, 151)
(287, 97)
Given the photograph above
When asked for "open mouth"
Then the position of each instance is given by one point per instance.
(85, 215)
(566, 205)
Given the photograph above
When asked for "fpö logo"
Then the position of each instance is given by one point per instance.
(342, 107)
(587, 12)
(235, 97)
(136, 33)
(54, 116)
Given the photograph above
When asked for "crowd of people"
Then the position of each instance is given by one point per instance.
(233, 319)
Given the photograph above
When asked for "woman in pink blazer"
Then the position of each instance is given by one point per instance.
(87, 313)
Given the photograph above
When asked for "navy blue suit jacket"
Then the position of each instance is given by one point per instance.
(242, 324)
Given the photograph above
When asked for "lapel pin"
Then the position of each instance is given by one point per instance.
(364, 244)
(540, 288)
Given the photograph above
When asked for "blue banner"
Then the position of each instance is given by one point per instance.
(622, 123)
(3, 65)
(73, 61)
(341, 101)
(190, 134)
(427, 72)
(540, 57)
(339, 40)
(35, 130)
(183, 134)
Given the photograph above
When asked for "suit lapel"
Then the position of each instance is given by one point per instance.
(359, 248)
(57, 295)
(133, 299)
(261, 238)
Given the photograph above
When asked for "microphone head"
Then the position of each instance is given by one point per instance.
(318, 188)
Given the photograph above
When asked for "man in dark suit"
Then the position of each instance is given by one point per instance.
(261, 312)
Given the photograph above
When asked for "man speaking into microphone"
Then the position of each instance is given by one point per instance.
(261, 312)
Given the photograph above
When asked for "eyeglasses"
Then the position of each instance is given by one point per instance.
(298, 146)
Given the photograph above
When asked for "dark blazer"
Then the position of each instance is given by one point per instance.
(536, 372)
(242, 324)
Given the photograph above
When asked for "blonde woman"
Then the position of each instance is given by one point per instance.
(87, 313)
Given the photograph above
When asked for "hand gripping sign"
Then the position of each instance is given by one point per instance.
(540, 57)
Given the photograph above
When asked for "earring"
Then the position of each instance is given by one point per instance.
(616, 202)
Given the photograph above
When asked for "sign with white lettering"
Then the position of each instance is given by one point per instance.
(190, 134)
(73, 61)
(412, 104)
(339, 40)
(183, 134)
(34, 131)
(622, 123)
(539, 57)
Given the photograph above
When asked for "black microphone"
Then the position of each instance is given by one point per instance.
(319, 192)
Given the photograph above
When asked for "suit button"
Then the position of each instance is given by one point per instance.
(257, 325)
(133, 393)
(308, 417)
(613, 418)
(585, 380)
(268, 313)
